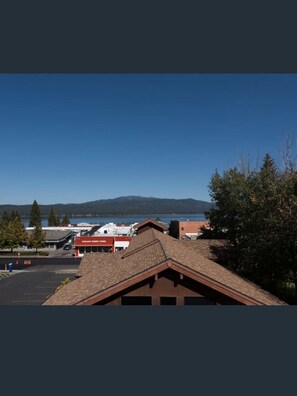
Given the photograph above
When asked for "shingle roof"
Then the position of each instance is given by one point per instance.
(150, 221)
(55, 235)
(96, 259)
(151, 250)
(206, 247)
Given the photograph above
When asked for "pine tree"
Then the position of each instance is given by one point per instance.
(65, 219)
(13, 234)
(14, 214)
(20, 231)
(256, 212)
(37, 238)
(5, 218)
(53, 219)
(35, 217)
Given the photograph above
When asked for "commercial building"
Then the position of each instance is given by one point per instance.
(112, 238)
(77, 229)
(55, 239)
(115, 229)
(187, 229)
(101, 244)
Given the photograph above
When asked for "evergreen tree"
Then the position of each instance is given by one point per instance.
(256, 212)
(14, 214)
(65, 219)
(5, 218)
(3, 226)
(53, 219)
(37, 238)
(35, 217)
(12, 233)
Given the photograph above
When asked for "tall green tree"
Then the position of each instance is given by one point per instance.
(53, 219)
(5, 218)
(256, 212)
(37, 238)
(35, 217)
(15, 234)
(9, 216)
(65, 219)
(12, 231)
(288, 225)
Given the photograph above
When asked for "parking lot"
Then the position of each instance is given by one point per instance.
(33, 284)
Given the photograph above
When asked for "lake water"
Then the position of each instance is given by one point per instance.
(165, 218)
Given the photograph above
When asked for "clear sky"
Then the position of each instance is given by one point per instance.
(69, 138)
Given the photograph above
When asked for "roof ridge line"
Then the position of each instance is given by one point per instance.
(166, 257)
(139, 248)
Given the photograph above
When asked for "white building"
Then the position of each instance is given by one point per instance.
(115, 230)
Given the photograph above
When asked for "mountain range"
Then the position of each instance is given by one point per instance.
(128, 205)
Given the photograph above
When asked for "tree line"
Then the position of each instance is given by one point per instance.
(53, 219)
(256, 212)
(13, 233)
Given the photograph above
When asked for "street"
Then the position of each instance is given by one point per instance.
(27, 262)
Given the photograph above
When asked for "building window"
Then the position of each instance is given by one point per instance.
(167, 300)
(136, 300)
(104, 249)
(198, 301)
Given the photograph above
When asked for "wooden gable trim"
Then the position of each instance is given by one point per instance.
(244, 299)
(124, 284)
(179, 268)
(150, 221)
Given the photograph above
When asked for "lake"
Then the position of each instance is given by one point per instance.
(165, 218)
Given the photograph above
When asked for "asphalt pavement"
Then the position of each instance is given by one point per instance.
(33, 284)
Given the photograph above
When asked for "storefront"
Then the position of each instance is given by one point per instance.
(106, 244)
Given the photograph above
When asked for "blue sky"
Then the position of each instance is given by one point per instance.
(81, 137)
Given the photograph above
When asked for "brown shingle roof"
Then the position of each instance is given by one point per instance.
(150, 221)
(93, 261)
(208, 248)
(148, 251)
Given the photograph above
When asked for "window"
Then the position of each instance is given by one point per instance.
(136, 300)
(104, 249)
(167, 300)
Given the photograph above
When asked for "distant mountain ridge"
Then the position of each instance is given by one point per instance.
(126, 205)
